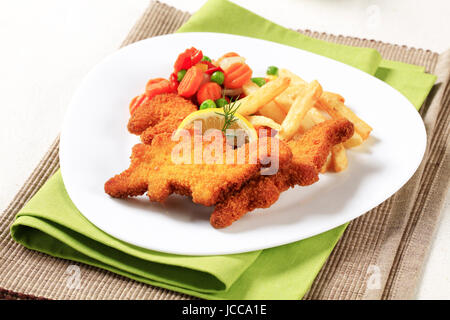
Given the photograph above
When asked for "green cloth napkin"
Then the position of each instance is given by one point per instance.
(226, 17)
(51, 223)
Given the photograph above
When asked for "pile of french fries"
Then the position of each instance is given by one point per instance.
(291, 106)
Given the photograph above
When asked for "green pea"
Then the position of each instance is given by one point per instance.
(180, 74)
(218, 77)
(205, 58)
(207, 104)
(221, 102)
(259, 81)
(272, 70)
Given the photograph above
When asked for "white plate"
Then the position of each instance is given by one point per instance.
(95, 145)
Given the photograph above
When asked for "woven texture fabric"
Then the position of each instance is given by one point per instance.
(379, 257)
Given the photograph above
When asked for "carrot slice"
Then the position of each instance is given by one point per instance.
(209, 90)
(191, 82)
(137, 101)
(158, 86)
(237, 75)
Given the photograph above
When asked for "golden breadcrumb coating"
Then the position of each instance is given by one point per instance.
(309, 154)
(153, 170)
(161, 114)
(234, 189)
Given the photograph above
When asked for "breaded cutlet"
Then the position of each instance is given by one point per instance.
(153, 170)
(161, 114)
(309, 154)
(234, 189)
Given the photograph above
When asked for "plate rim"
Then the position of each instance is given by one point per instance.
(396, 188)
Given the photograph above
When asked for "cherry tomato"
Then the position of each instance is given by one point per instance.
(158, 86)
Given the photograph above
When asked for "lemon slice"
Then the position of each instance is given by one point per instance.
(213, 118)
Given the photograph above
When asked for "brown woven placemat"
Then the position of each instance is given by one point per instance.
(379, 256)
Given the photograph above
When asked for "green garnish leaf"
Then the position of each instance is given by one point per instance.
(229, 111)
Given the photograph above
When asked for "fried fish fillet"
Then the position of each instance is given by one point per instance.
(161, 114)
(153, 170)
(309, 154)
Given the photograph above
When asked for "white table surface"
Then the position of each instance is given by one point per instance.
(49, 45)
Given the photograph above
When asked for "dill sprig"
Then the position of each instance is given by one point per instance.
(228, 113)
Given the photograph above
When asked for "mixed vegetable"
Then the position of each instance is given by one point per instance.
(207, 83)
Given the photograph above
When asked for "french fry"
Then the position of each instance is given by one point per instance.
(333, 105)
(302, 114)
(326, 165)
(307, 123)
(302, 104)
(337, 96)
(258, 98)
(316, 115)
(270, 110)
(354, 141)
(249, 87)
(295, 79)
(296, 87)
(287, 97)
(285, 100)
(261, 121)
(339, 161)
(312, 117)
